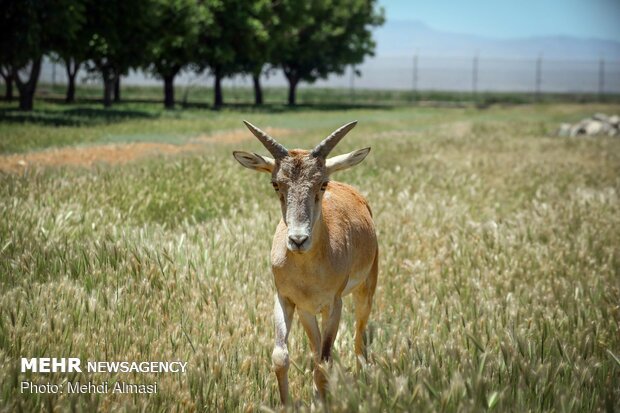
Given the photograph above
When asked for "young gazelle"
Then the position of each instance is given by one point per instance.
(324, 247)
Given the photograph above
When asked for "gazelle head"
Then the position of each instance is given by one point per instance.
(300, 178)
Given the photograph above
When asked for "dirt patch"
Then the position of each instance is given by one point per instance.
(237, 136)
(88, 156)
(120, 153)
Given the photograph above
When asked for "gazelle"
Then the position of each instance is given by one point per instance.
(324, 247)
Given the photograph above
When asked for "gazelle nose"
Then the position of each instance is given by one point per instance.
(298, 239)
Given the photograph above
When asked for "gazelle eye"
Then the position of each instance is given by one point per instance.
(324, 186)
(275, 186)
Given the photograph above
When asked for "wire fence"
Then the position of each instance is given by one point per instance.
(418, 73)
(481, 74)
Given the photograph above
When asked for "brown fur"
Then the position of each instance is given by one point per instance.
(344, 249)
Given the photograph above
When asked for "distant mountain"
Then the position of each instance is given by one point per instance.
(399, 37)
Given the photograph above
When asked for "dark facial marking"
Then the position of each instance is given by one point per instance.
(300, 168)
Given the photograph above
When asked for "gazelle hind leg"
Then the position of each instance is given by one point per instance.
(362, 297)
(330, 320)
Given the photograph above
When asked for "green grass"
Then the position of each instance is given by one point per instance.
(499, 276)
(203, 95)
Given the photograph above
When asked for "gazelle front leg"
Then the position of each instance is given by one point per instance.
(311, 327)
(283, 316)
(308, 321)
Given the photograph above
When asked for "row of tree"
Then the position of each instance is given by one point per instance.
(307, 40)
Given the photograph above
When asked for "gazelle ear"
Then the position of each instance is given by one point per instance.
(255, 161)
(340, 162)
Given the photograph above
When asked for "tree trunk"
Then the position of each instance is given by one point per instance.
(258, 90)
(27, 88)
(71, 73)
(8, 87)
(117, 88)
(218, 99)
(292, 89)
(108, 86)
(169, 92)
(70, 98)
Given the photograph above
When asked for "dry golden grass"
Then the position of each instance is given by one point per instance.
(118, 153)
(499, 284)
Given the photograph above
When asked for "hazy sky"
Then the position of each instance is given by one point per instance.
(510, 18)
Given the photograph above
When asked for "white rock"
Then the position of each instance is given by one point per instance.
(565, 129)
(601, 116)
(598, 124)
(575, 130)
(594, 127)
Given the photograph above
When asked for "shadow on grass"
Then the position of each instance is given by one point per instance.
(65, 114)
(267, 107)
(75, 116)
(90, 100)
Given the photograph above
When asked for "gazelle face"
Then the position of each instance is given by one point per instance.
(300, 178)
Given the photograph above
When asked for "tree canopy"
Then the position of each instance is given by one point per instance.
(320, 37)
(30, 29)
(180, 23)
(232, 42)
(308, 40)
(118, 34)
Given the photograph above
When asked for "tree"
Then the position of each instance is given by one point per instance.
(21, 46)
(252, 44)
(72, 50)
(216, 51)
(177, 24)
(316, 38)
(72, 66)
(226, 40)
(117, 42)
(28, 30)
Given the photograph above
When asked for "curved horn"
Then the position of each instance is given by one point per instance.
(325, 147)
(278, 151)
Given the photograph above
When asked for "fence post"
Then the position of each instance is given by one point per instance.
(601, 79)
(538, 77)
(415, 78)
(352, 85)
(474, 76)
(53, 75)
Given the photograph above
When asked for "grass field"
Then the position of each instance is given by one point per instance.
(499, 280)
